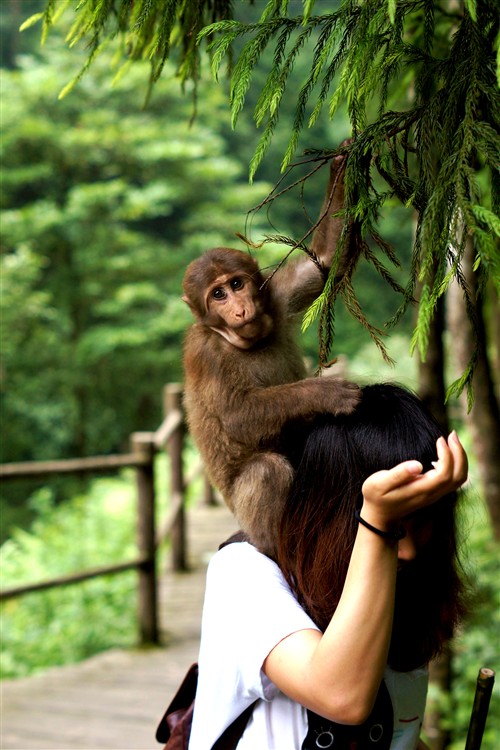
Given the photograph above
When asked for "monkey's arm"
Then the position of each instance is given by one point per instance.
(301, 281)
(265, 411)
(327, 233)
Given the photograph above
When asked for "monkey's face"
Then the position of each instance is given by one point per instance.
(236, 309)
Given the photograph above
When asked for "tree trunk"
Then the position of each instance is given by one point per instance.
(493, 332)
(484, 417)
(431, 384)
(432, 392)
(11, 35)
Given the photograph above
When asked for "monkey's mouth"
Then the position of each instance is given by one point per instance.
(248, 329)
(257, 328)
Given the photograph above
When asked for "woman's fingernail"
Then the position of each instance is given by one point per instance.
(414, 467)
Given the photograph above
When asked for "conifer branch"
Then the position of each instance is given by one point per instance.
(431, 148)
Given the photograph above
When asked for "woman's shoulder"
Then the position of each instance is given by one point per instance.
(241, 565)
(241, 554)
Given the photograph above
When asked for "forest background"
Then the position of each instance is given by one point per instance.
(104, 203)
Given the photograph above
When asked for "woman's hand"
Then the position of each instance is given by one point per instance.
(390, 495)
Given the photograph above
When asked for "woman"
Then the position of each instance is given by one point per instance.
(332, 639)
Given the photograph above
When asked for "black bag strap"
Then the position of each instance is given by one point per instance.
(179, 705)
(238, 536)
(232, 735)
(178, 716)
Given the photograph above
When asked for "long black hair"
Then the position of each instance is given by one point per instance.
(318, 526)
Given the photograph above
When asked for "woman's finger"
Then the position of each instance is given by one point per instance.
(405, 483)
(388, 481)
(461, 463)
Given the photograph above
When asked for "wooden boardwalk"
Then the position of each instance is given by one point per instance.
(115, 700)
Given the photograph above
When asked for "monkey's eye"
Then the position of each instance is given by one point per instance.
(218, 293)
(236, 284)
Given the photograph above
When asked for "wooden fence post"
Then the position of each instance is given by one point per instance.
(172, 400)
(208, 492)
(143, 446)
(484, 688)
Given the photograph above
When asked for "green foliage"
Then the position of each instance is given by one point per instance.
(429, 153)
(150, 29)
(97, 202)
(418, 83)
(69, 624)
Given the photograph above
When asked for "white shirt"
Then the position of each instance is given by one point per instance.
(249, 608)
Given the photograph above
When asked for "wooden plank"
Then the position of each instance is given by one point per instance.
(167, 428)
(73, 578)
(114, 701)
(91, 464)
(172, 397)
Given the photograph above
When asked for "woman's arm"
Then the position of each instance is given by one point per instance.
(337, 674)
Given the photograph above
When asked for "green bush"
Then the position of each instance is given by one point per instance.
(68, 624)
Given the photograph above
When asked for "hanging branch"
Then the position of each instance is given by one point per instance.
(364, 57)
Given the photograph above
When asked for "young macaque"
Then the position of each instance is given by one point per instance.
(245, 379)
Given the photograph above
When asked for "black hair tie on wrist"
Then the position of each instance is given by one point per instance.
(391, 536)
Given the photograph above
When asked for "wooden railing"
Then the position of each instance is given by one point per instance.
(144, 446)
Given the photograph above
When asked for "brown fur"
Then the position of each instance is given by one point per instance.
(244, 374)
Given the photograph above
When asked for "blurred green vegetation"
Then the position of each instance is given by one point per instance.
(103, 205)
(72, 623)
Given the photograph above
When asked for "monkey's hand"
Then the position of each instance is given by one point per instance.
(343, 395)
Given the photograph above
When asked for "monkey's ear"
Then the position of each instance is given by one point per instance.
(193, 309)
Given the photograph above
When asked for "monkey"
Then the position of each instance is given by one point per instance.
(244, 375)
